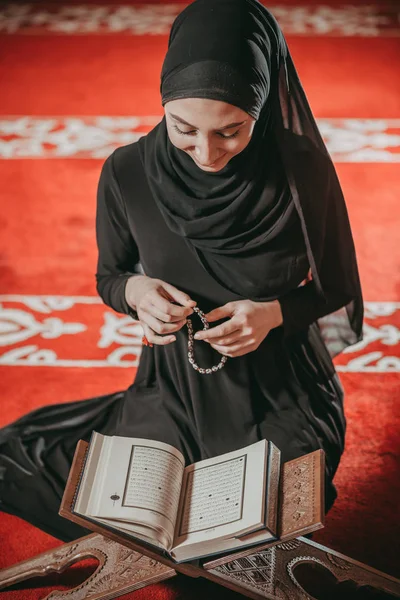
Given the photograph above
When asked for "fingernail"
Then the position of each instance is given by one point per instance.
(197, 336)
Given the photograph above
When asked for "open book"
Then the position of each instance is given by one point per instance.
(142, 488)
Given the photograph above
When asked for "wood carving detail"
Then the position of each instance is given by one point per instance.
(270, 573)
(298, 507)
(256, 571)
(120, 569)
(267, 573)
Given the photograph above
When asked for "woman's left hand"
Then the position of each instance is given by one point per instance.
(249, 324)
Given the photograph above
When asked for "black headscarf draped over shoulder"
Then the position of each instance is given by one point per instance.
(276, 211)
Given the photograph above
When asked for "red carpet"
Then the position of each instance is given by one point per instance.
(48, 249)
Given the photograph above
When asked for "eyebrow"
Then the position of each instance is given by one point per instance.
(193, 127)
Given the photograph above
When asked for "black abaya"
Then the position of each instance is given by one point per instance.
(283, 391)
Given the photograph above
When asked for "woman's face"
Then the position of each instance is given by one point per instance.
(210, 131)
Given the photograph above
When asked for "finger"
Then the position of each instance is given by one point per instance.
(224, 348)
(225, 351)
(153, 338)
(163, 328)
(167, 312)
(220, 312)
(179, 296)
(219, 331)
(232, 351)
(228, 340)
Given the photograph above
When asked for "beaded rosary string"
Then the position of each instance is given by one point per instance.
(195, 366)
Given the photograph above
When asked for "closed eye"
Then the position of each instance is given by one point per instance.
(193, 132)
(228, 136)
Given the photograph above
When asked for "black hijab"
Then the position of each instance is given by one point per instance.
(276, 209)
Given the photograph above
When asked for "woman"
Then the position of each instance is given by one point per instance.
(230, 205)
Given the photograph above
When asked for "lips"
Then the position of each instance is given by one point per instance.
(207, 166)
(212, 164)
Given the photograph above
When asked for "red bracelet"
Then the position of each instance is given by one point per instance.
(146, 342)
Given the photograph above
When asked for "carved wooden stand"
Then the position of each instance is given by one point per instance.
(268, 573)
(120, 570)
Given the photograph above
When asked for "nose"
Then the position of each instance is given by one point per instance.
(205, 153)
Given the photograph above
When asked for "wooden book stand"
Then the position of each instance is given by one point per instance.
(265, 571)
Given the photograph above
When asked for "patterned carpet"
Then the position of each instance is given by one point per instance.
(79, 80)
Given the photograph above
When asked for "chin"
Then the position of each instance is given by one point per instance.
(218, 165)
(211, 169)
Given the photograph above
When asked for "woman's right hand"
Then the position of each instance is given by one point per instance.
(153, 300)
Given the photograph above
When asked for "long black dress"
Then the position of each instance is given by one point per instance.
(284, 391)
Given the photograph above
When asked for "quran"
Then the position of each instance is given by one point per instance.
(142, 489)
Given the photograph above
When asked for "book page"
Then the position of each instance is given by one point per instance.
(137, 531)
(137, 481)
(217, 494)
(147, 485)
(223, 496)
(86, 485)
(184, 552)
